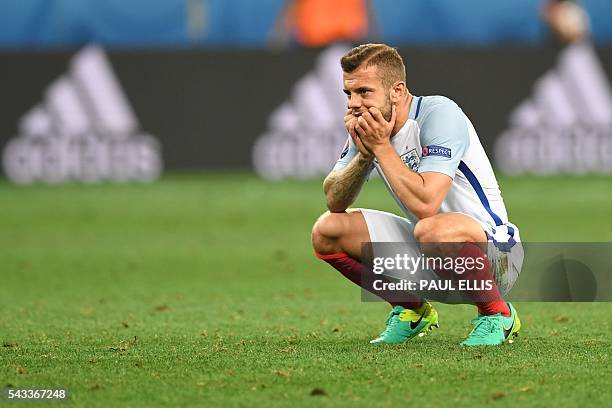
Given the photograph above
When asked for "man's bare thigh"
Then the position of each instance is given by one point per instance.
(355, 233)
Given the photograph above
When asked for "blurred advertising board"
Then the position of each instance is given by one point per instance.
(92, 115)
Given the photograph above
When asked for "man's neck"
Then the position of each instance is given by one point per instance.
(402, 112)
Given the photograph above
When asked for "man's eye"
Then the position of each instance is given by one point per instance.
(365, 92)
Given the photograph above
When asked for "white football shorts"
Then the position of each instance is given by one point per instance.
(504, 248)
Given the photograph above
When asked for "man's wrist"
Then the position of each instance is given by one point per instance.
(382, 150)
(366, 159)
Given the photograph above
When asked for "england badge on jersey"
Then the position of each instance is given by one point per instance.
(411, 159)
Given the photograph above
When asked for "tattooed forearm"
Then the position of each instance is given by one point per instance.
(342, 186)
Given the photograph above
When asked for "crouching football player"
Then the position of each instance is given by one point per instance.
(431, 159)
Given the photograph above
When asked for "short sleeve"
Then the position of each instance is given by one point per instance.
(349, 151)
(444, 138)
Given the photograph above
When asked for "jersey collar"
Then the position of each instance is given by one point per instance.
(415, 107)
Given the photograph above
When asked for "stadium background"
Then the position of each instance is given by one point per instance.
(171, 155)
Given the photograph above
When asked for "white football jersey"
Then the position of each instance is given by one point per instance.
(439, 137)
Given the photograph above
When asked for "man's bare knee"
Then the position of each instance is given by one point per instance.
(327, 231)
(426, 230)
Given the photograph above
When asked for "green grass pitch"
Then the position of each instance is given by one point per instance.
(202, 290)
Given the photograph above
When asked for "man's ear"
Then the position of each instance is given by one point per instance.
(397, 91)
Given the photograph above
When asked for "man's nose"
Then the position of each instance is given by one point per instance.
(354, 101)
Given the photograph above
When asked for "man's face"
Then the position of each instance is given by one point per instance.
(364, 90)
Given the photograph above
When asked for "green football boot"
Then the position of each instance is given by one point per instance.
(404, 324)
(493, 330)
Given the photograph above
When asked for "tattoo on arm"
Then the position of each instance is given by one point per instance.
(341, 187)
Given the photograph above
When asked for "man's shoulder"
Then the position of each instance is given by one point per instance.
(435, 109)
(432, 103)
(440, 118)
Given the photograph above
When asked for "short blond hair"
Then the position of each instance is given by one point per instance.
(388, 61)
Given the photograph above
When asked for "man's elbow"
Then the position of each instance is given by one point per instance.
(335, 206)
(425, 210)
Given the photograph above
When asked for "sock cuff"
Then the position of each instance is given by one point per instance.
(470, 250)
(340, 255)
